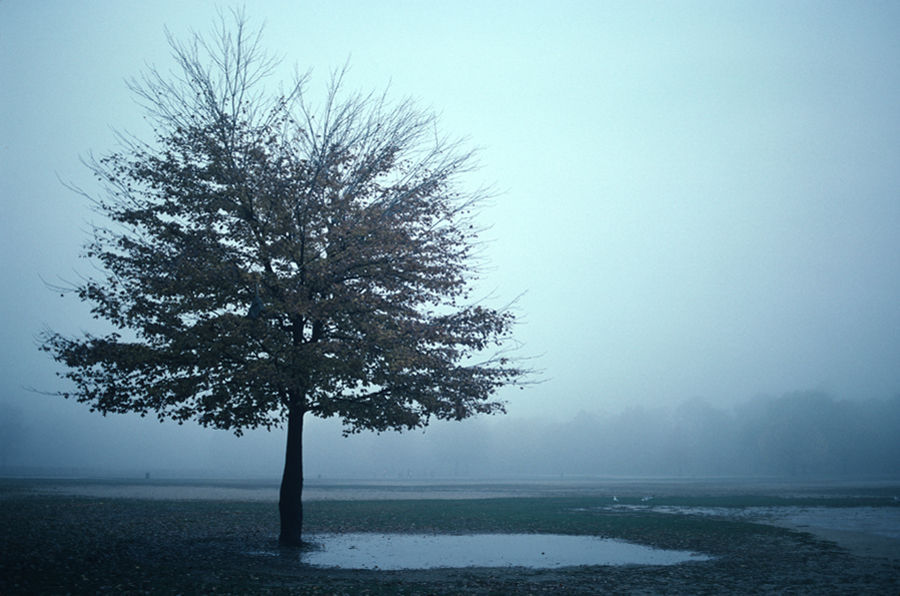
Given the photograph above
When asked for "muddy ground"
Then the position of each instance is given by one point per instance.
(57, 544)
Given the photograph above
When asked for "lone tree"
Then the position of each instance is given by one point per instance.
(261, 259)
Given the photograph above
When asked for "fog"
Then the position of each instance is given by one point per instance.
(700, 202)
(803, 436)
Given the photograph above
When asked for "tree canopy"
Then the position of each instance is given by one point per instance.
(264, 252)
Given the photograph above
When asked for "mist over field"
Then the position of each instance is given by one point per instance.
(697, 204)
(640, 256)
(805, 435)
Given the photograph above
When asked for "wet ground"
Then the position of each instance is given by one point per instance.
(864, 530)
(846, 519)
(54, 542)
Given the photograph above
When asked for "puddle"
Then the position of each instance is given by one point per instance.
(540, 551)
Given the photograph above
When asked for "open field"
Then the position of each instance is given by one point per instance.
(86, 537)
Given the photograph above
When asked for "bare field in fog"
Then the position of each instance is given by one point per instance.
(71, 536)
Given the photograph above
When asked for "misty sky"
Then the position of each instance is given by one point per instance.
(699, 199)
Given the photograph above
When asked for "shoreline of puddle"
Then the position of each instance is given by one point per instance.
(395, 552)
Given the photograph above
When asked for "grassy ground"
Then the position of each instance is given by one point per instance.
(53, 544)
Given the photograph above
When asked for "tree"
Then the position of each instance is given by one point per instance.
(262, 259)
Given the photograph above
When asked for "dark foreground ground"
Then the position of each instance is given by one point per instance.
(57, 544)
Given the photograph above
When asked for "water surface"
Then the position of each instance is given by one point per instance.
(427, 551)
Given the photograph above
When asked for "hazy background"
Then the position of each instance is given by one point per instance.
(701, 200)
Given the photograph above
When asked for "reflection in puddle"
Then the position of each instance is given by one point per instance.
(412, 551)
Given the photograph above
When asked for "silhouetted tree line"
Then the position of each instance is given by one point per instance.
(803, 434)
(798, 435)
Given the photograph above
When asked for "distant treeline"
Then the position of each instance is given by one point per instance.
(804, 434)
(807, 434)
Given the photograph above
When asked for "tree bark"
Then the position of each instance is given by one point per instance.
(290, 505)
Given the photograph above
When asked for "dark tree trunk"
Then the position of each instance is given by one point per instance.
(289, 504)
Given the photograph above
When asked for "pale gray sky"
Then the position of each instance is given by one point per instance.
(701, 199)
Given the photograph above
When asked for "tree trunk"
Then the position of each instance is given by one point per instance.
(290, 505)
